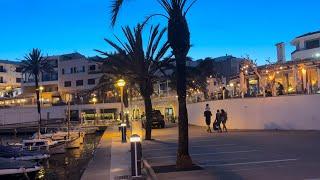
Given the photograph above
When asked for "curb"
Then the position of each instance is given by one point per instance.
(149, 171)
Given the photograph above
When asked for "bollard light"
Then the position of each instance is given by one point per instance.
(136, 155)
(134, 138)
(123, 127)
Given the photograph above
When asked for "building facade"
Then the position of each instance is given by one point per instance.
(73, 73)
(301, 75)
(307, 46)
(10, 79)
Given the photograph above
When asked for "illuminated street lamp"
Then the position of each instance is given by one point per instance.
(121, 83)
(41, 89)
(94, 100)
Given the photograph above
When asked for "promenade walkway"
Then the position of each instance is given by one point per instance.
(112, 158)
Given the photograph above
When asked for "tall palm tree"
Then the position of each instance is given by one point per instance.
(138, 65)
(34, 64)
(179, 41)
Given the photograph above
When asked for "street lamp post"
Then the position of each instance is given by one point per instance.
(95, 100)
(121, 83)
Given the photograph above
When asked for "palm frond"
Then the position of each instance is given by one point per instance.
(115, 8)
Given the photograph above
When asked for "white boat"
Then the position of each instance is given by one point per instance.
(61, 135)
(16, 153)
(11, 169)
(44, 145)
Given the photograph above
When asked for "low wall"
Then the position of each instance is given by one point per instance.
(29, 114)
(285, 112)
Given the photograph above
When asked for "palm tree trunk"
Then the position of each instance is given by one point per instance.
(38, 104)
(183, 157)
(148, 109)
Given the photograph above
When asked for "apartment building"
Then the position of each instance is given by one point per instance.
(73, 73)
(307, 46)
(10, 79)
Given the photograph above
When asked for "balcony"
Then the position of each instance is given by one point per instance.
(306, 54)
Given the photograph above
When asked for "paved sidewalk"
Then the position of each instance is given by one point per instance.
(120, 159)
(111, 159)
(98, 167)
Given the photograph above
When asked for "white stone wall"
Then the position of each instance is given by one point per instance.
(29, 114)
(287, 112)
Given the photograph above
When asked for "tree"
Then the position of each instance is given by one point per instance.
(137, 65)
(196, 76)
(34, 64)
(179, 41)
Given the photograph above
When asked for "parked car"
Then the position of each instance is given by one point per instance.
(157, 119)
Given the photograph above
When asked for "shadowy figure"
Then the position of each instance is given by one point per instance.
(217, 122)
(207, 115)
(224, 119)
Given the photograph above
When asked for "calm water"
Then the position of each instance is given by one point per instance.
(70, 165)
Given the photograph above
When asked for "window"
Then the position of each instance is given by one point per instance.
(52, 76)
(67, 84)
(1, 69)
(79, 83)
(83, 69)
(1, 79)
(18, 80)
(163, 86)
(53, 63)
(312, 44)
(18, 69)
(92, 67)
(71, 70)
(91, 81)
(62, 71)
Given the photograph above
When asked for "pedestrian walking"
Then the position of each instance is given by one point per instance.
(217, 122)
(224, 118)
(207, 115)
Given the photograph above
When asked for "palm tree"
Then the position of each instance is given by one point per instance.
(34, 64)
(179, 41)
(137, 65)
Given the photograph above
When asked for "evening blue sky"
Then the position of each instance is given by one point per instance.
(236, 27)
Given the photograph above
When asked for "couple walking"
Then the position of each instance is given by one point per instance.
(221, 117)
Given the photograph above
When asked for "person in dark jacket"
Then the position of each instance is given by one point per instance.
(224, 119)
(207, 115)
(217, 122)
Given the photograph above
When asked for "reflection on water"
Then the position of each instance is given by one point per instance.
(70, 165)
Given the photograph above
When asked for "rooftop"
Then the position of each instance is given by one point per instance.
(308, 34)
(9, 62)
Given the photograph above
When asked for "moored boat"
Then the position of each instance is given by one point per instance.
(14, 169)
(89, 129)
(20, 154)
(74, 142)
(44, 145)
